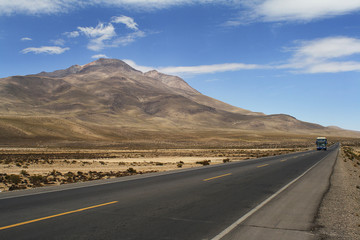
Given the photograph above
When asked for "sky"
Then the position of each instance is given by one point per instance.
(295, 57)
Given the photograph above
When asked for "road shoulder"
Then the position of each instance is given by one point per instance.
(339, 213)
(291, 214)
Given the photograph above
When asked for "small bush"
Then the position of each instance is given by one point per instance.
(131, 170)
(179, 165)
(204, 163)
(13, 178)
(226, 160)
(37, 180)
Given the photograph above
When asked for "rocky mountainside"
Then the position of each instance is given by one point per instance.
(107, 97)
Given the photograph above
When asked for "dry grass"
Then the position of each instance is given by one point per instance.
(22, 168)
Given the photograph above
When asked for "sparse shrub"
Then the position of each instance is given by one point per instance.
(18, 164)
(13, 178)
(102, 162)
(204, 163)
(131, 170)
(179, 165)
(37, 180)
(226, 160)
(122, 163)
(159, 164)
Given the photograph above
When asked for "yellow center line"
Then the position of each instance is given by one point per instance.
(263, 165)
(217, 177)
(56, 215)
(283, 160)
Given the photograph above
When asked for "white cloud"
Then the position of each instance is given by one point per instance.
(204, 69)
(128, 21)
(326, 55)
(98, 35)
(26, 39)
(72, 34)
(59, 42)
(131, 37)
(194, 70)
(99, 56)
(45, 49)
(35, 7)
(138, 67)
(300, 10)
(264, 10)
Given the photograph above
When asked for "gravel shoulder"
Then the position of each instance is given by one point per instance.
(339, 213)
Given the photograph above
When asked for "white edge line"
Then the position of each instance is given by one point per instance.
(251, 212)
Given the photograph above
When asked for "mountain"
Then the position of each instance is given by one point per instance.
(107, 100)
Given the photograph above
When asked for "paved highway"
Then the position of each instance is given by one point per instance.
(204, 203)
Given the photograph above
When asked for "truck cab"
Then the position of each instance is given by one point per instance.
(321, 143)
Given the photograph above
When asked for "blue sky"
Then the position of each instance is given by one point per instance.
(297, 57)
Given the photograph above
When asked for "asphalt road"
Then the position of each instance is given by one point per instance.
(187, 204)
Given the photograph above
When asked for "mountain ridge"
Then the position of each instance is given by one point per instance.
(110, 94)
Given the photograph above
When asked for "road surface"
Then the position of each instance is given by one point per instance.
(211, 202)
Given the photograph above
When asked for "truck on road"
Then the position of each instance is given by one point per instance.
(321, 143)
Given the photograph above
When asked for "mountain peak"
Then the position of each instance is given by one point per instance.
(110, 63)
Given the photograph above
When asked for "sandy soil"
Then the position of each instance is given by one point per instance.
(22, 168)
(108, 164)
(339, 214)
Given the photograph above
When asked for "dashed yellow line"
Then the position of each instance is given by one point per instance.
(56, 215)
(284, 160)
(217, 177)
(263, 165)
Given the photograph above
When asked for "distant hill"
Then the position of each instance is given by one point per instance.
(107, 100)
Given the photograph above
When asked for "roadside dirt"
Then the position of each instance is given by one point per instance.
(339, 213)
(35, 167)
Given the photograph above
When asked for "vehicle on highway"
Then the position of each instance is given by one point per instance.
(321, 143)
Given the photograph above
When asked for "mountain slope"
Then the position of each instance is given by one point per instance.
(108, 99)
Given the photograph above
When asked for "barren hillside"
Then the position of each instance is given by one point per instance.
(107, 100)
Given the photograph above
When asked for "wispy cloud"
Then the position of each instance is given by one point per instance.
(59, 42)
(325, 55)
(104, 34)
(45, 49)
(129, 38)
(204, 69)
(253, 10)
(99, 56)
(72, 34)
(295, 10)
(36, 7)
(98, 35)
(201, 69)
(128, 21)
(26, 39)
(138, 67)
